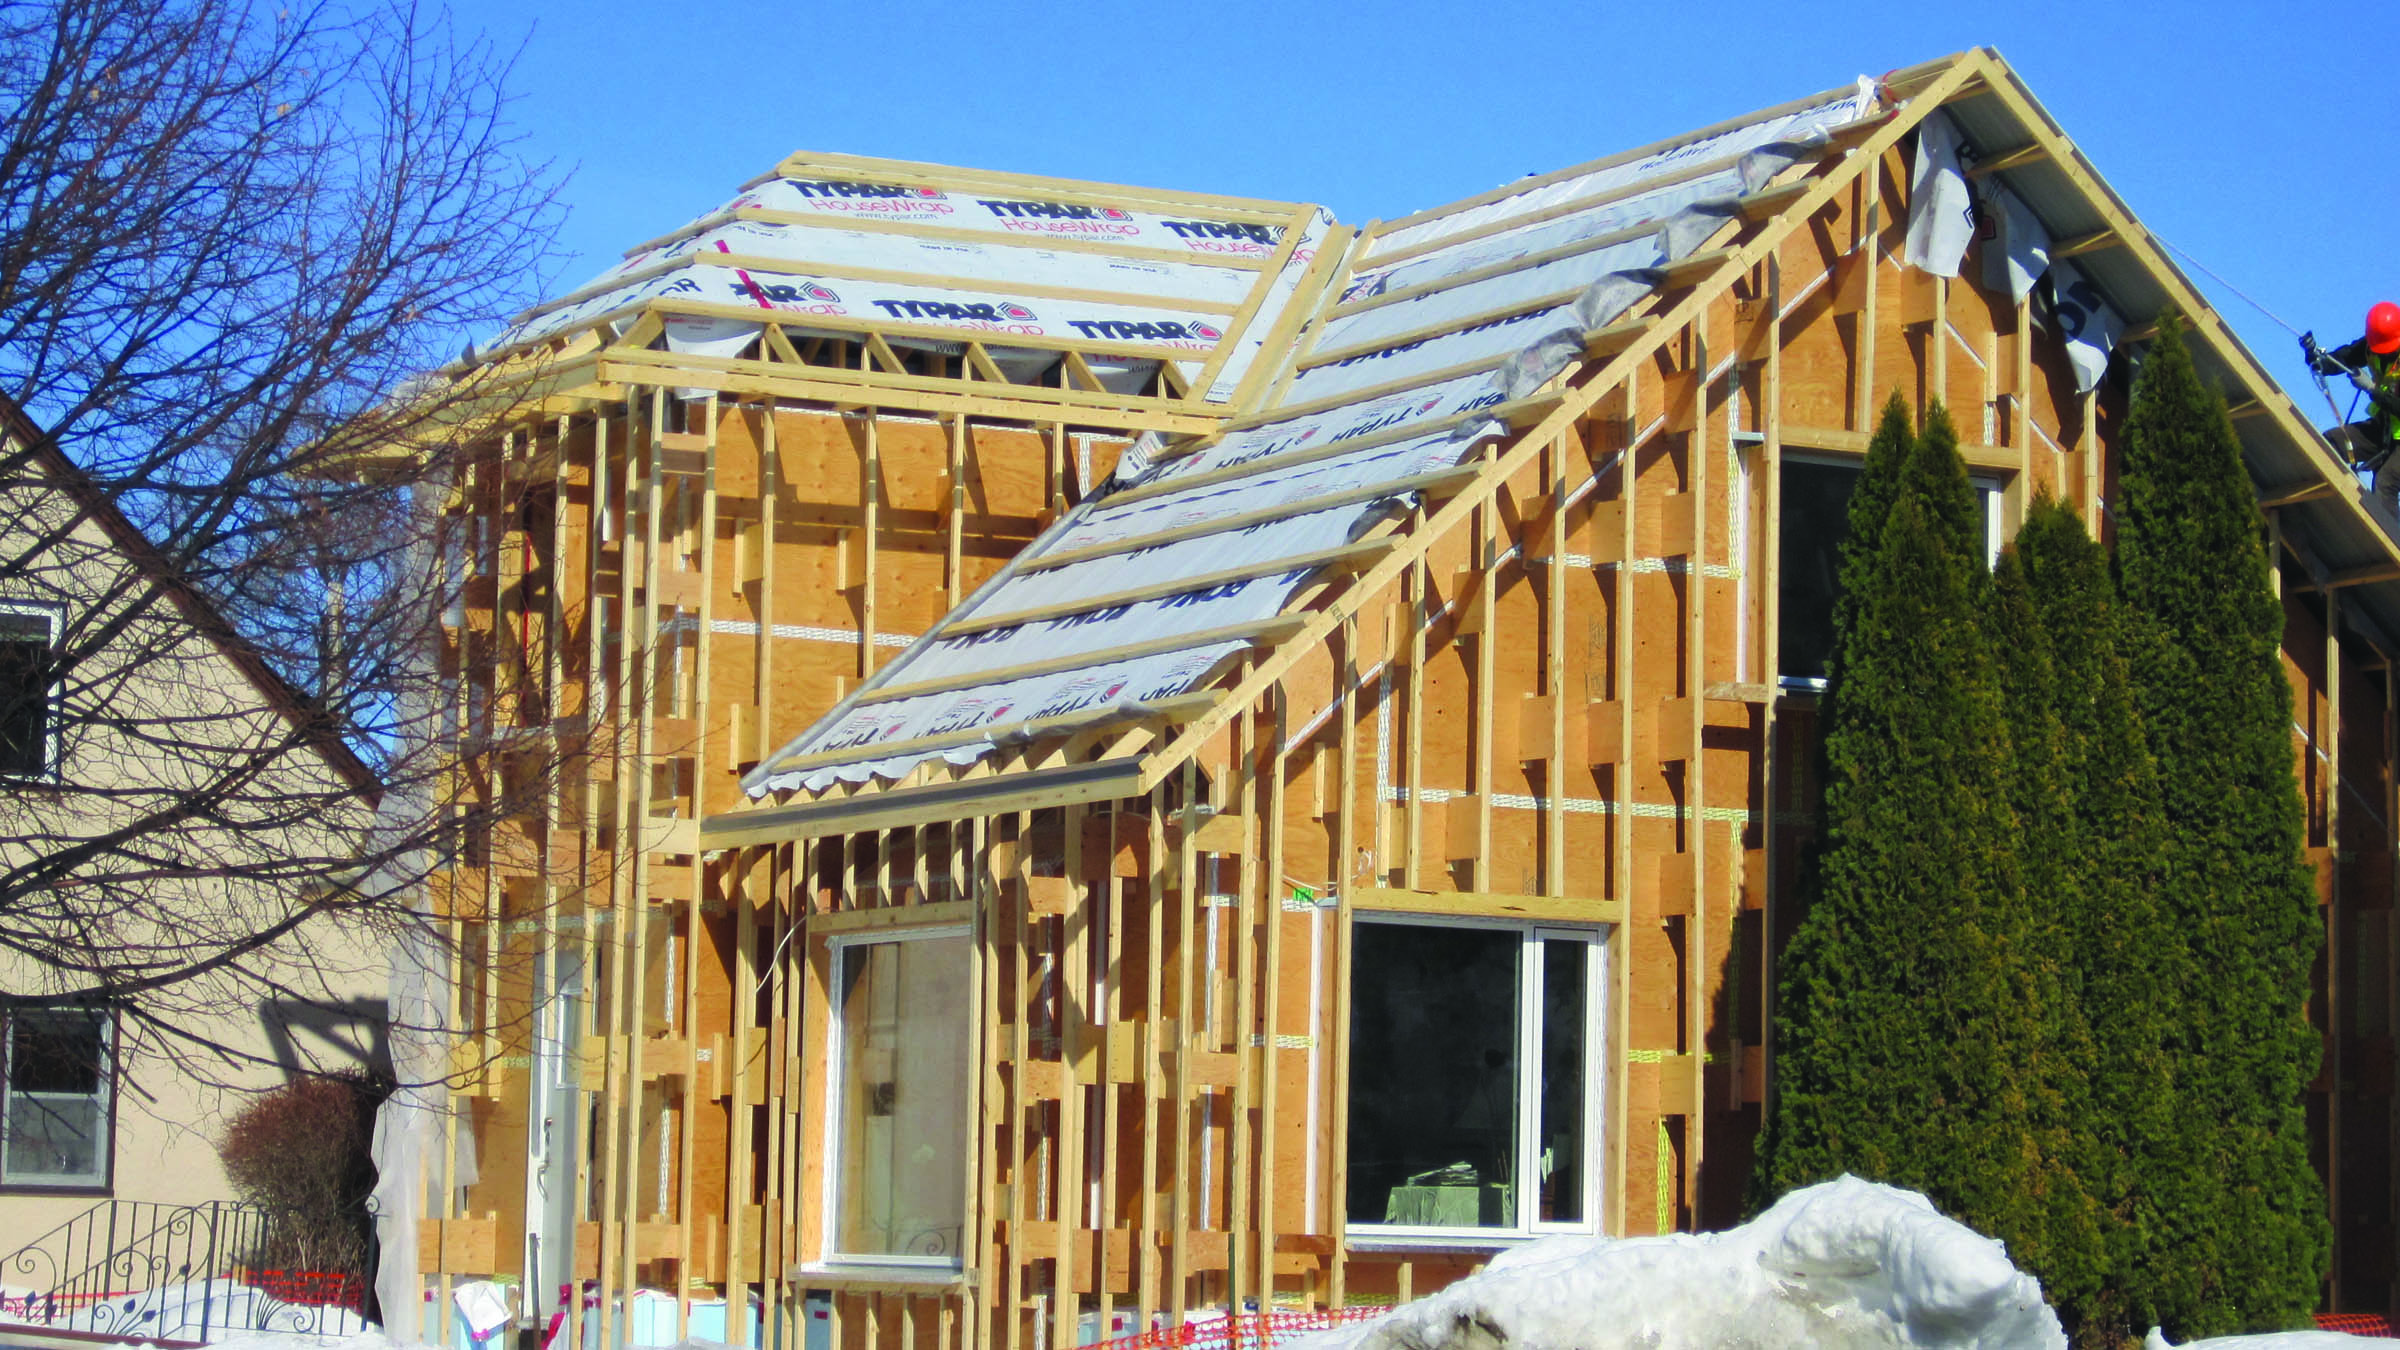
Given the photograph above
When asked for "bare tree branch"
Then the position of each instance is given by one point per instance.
(230, 238)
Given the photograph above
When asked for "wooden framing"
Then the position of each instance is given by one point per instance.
(1547, 694)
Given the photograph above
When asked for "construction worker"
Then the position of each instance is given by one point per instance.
(2373, 365)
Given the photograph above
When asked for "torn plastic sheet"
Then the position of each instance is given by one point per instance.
(2089, 327)
(1801, 125)
(2017, 253)
(1941, 209)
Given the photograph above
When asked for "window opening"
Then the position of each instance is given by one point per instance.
(1474, 1102)
(1816, 519)
(900, 1075)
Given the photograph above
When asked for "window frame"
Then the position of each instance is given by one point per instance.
(831, 1256)
(1599, 1083)
(107, 1092)
(54, 619)
(1991, 489)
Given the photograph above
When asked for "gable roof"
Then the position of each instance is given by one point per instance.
(1429, 376)
(190, 604)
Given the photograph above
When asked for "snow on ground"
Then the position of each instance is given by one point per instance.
(370, 1339)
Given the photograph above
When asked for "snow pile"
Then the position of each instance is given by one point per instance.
(1847, 1265)
(196, 1310)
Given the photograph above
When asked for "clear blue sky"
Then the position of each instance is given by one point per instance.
(2264, 139)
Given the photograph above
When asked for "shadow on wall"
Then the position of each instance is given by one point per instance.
(309, 1037)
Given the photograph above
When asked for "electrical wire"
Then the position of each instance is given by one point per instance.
(2339, 420)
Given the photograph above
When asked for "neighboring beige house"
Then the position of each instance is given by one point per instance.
(96, 1105)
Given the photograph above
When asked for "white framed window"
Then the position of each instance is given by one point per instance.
(899, 1070)
(28, 690)
(1477, 1096)
(57, 1098)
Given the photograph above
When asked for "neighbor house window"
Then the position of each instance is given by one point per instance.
(55, 1111)
(27, 636)
(899, 1102)
(1475, 1084)
(1816, 519)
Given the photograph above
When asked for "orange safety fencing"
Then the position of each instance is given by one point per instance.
(1243, 1331)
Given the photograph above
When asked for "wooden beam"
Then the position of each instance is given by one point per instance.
(2361, 576)
(2097, 240)
(2002, 162)
(1488, 905)
(2292, 494)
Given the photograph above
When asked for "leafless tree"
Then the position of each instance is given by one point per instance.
(230, 239)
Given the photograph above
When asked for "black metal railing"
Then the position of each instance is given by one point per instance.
(181, 1272)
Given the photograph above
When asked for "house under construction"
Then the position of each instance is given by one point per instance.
(1137, 755)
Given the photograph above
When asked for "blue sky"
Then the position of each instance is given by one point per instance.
(2264, 141)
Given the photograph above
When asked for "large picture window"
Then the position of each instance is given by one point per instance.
(58, 1098)
(28, 635)
(1475, 1085)
(899, 1100)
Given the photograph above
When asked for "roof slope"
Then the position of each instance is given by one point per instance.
(1427, 378)
(190, 604)
(1128, 288)
(1446, 321)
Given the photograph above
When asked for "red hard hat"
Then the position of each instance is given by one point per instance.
(2383, 328)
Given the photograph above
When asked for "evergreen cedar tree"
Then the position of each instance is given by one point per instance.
(2099, 1055)
(1879, 1073)
(2241, 1236)
(2101, 833)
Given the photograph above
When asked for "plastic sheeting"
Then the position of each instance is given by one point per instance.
(1728, 145)
(778, 248)
(408, 1124)
(1941, 210)
(1005, 216)
(1456, 302)
(1942, 218)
